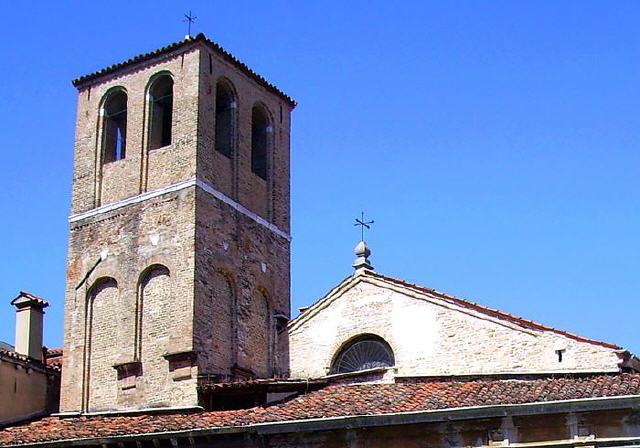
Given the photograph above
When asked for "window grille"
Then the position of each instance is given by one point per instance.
(368, 352)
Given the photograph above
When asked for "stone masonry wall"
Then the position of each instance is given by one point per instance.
(95, 184)
(106, 330)
(233, 176)
(430, 337)
(154, 328)
(255, 262)
(156, 232)
(252, 259)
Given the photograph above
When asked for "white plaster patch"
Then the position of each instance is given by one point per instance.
(154, 238)
(414, 328)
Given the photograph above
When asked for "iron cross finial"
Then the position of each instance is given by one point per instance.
(190, 18)
(363, 225)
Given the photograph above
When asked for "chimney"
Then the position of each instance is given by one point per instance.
(29, 320)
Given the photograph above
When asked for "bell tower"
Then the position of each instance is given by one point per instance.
(179, 246)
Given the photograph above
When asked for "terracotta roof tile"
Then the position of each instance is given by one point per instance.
(333, 401)
(52, 363)
(211, 386)
(53, 357)
(78, 82)
(14, 355)
(26, 298)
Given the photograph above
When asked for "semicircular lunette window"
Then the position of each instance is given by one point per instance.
(362, 354)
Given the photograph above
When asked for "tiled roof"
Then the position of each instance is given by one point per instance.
(208, 386)
(14, 355)
(26, 298)
(334, 401)
(53, 357)
(54, 351)
(53, 360)
(177, 46)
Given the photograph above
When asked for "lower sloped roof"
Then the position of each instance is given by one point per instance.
(332, 401)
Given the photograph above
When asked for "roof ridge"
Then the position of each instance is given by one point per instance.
(189, 40)
(492, 311)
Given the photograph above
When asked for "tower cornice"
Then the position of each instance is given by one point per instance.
(178, 47)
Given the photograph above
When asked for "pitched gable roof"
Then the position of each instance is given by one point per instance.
(367, 275)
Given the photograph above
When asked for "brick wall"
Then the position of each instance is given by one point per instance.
(195, 269)
(233, 176)
(255, 263)
(96, 184)
(107, 336)
(158, 231)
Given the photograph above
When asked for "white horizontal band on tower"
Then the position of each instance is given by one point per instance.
(193, 182)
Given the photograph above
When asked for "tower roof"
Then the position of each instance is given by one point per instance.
(185, 43)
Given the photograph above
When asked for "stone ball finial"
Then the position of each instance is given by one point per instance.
(362, 250)
(363, 253)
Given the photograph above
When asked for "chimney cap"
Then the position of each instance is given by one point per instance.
(25, 300)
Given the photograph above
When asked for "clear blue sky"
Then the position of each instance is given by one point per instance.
(496, 144)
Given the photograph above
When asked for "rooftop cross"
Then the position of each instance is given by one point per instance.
(190, 19)
(363, 224)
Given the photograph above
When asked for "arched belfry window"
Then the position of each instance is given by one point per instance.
(114, 126)
(225, 111)
(260, 134)
(161, 112)
(362, 353)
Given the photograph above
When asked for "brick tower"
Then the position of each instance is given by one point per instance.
(178, 261)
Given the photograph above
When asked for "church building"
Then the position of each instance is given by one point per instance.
(178, 329)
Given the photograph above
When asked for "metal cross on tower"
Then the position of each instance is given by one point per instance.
(190, 19)
(363, 225)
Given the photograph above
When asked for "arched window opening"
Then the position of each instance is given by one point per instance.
(362, 353)
(225, 108)
(161, 112)
(114, 127)
(260, 130)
